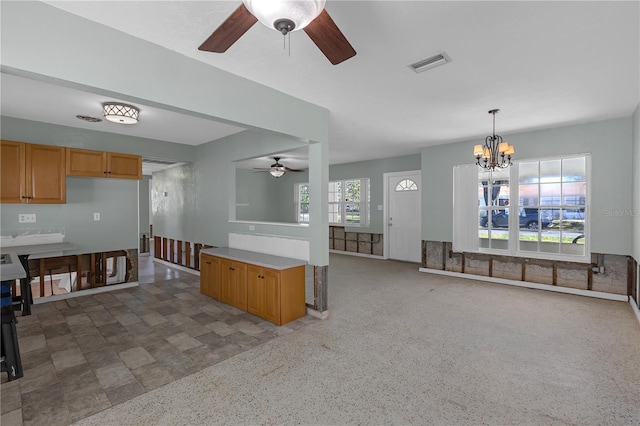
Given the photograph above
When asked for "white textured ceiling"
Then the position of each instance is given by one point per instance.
(544, 64)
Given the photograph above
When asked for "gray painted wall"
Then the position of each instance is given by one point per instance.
(51, 134)
(258, 197)
(636, 184)
(144, 186)
(609, 143)
(200, 205)
(374, 170)
(115, 199)
(39, 40)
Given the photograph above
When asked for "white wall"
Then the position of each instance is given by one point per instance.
(609, 143)
(636, 184)
(39, 40)
(45, 43)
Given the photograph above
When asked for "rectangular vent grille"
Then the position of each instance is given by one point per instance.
(430, 62)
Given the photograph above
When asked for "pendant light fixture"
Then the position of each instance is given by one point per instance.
(495, 154)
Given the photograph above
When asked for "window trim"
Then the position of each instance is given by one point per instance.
(513, 249)
(365, 201)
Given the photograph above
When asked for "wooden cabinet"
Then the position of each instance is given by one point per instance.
(263, 293)
(32, 173)
(272, 294)
(88, 163)
(233, 283)
(276, 295)
(210, 276)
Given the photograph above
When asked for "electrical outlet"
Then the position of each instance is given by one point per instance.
(26, 218)
(252, 228)
(96, 217)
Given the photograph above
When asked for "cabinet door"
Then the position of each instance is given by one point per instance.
(226, 278)
(84, 162)
(124, 166)
(12, 173)
(45, 174)
(271, 284)
(210, 276)
(255, 290)
(240, 285)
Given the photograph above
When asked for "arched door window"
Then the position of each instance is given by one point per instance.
(406, 185)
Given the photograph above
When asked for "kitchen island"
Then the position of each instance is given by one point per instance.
(271, 287)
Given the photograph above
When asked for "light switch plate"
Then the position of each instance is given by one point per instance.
(26, 218)
(96, 216)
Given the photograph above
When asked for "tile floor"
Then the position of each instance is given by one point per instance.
(86, 354)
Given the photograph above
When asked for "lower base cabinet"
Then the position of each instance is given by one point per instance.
(274, 295)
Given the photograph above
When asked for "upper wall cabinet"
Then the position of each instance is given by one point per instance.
(32, 173)
(84, 162)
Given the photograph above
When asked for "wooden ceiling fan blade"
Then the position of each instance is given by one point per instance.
(293, 170)
(229, 31)
(329, 39)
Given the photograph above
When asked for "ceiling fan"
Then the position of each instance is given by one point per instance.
(277, 169)
(284, 16)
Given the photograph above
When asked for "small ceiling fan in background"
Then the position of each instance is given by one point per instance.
(283, 16)
(277, 169)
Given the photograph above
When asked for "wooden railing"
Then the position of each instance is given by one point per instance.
(183, 253)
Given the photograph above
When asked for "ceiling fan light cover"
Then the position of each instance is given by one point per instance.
(300, 12)
(277, 171)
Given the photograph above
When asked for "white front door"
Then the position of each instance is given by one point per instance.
(403, 216)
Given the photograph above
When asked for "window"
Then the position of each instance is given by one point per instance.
(406, 185)
(348, 202)
(554, 193)
(302, 202)
(536, 208)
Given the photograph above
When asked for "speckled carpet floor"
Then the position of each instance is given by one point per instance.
(404, 347)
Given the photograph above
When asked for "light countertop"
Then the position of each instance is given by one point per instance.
(11, 268)
(40, 250)
(260, 259)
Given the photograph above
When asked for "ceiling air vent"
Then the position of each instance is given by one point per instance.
(430, 62)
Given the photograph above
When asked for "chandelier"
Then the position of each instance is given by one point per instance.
(495, 154)
(120, 113)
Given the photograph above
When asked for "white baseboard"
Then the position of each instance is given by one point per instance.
(178, 267)
(634, 306)
(87, 292)
(557, 289)
(353, 253)
(317, 314)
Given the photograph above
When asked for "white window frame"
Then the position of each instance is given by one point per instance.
(296, 196)
(465, 201)
(365, 201)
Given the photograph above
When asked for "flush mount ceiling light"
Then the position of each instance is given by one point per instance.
(285, 15)
(495, 154)
(120, 113)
